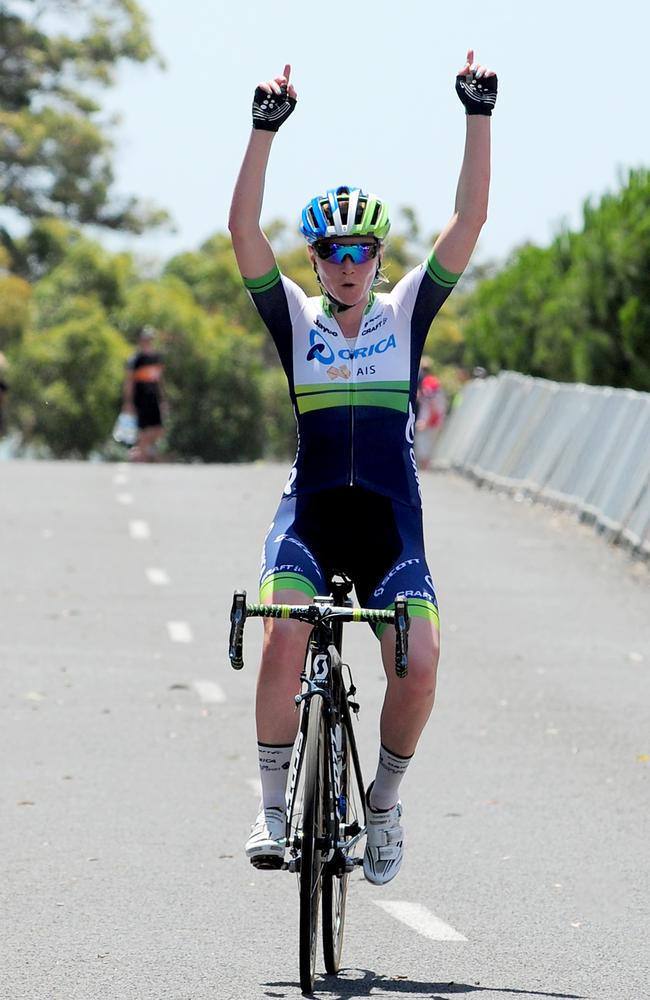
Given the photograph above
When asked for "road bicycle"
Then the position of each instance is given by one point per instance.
(326, 799)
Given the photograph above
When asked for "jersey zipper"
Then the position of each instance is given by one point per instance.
(352, 380)
(352, 439)
(371, 301)
(352, 398)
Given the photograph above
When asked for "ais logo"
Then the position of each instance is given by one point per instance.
(321, 351)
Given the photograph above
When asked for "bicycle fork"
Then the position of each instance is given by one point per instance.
(340, 838)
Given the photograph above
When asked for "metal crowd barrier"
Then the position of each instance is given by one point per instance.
(580, 447)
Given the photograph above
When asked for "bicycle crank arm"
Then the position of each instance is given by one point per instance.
(346, 845)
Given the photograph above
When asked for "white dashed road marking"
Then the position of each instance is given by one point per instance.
(209, 692)
(179, 632)
(157, 576)
(124, 498)
(420, 919)
(139, 529)
(120, 479)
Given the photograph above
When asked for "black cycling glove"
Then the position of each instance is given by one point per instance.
(478, 94)
(271, 110)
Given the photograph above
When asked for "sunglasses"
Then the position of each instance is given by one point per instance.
(358, 253)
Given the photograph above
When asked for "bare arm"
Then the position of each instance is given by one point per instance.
(456, 242)
(252, 249)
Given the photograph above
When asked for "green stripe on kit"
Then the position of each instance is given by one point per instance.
(418, 608)
(395, 386)
(440, 274)
(392, 400)
(264, 283)
(287, 581)
(353, 396)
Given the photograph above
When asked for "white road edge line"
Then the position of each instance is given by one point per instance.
(157, 576)
(180, 632)
(209, 692)
(420, 919)
(139, 530)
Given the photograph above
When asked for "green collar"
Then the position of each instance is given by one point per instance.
(327, 306)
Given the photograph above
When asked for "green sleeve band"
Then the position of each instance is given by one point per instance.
(264, 283)
(439, 274)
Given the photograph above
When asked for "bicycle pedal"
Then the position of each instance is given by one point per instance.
(267, 862)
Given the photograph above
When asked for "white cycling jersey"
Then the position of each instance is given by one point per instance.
(354, 406)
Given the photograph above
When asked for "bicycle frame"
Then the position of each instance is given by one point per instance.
(325, 681)
(319, 839)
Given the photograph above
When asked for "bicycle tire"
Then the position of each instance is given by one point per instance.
(335, 886)
(314, 813)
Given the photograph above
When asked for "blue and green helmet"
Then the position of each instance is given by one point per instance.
(344, 211)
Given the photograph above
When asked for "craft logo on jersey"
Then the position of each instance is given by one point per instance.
(321, 351)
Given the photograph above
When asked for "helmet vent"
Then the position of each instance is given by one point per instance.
(327, 211)
(345, 211)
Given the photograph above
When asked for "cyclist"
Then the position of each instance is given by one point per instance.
(352, 502)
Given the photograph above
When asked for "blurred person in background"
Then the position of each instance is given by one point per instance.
(144, 396)
(430, 412)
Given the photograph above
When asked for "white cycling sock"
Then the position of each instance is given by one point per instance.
(274, 764)
(390, 771)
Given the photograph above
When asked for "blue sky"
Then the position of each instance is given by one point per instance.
(377, 108)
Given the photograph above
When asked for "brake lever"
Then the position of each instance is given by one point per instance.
(237, 622)
(402, 624)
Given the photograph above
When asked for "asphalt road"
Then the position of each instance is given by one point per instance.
(128, 777)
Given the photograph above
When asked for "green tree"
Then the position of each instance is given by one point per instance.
(578, 310)
(77, 266)
(611, 262)
(214, 388)
(212, 274)
(66, 382)
(503, 313)
(15, 295)
(279, 420)
(212, 372)
(445, 343)
(55, 151)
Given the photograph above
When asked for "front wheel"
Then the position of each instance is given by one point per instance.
(350, 807)
(313, 850)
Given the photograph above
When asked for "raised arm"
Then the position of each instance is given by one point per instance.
(273, 103)
(477, 89)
